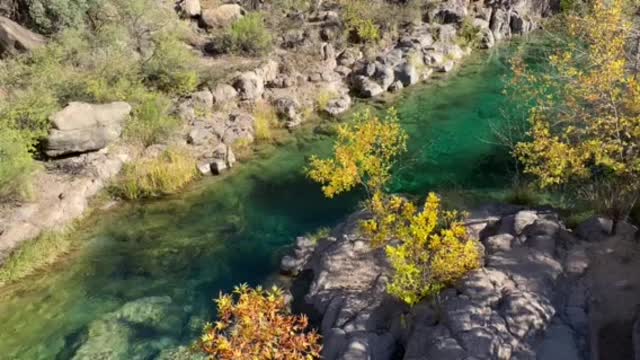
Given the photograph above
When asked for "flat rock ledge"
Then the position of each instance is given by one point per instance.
(529, 300)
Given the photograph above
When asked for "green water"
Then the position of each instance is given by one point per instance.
(233, 230)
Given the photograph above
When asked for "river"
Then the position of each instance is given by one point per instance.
(178, 253)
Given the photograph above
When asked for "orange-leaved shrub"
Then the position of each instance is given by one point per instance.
(256, 324)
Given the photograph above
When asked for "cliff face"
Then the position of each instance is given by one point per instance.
(527, 302)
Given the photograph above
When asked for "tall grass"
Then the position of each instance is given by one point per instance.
(166, 174)
(35, 254)
(265, 119)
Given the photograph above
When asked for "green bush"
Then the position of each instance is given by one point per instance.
(250, 35)
(360, 22)
(151, 122)
(166, 174)
(469, 34)
(16, 164)
(49, 16)
(171, 67)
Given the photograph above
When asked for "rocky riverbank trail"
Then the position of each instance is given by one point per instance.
(544, 292)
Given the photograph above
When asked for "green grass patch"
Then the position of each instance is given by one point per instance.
(167, 174)
(34, 255)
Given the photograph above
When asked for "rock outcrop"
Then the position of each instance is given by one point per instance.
(518, 306)
(82, 127)
(16, 39)
(223, 15)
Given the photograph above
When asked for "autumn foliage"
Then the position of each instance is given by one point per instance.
(428, 248)
(255, 324)
(585, 122)
(434, 248)
(364, 153)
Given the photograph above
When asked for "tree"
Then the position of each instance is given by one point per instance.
(585, 119)
(364, 154)
(255, 324)
(432, 248)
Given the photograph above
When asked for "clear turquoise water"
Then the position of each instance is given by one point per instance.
(233, 230)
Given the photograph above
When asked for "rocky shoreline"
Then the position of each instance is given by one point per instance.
(536, 297)
(218, 119)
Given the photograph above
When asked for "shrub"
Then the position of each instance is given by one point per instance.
(16, 164)
(49, 16)
(171, 67)
(29, 111)
(324, 97)
(166, 174)
(265, 118)
(359, 21)
(249, 35)
(364, 154)
(151, 122)
(469, 34)
(255, 324)
(35, 254)
(434, 251)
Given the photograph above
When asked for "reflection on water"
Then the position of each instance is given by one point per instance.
(144, 275)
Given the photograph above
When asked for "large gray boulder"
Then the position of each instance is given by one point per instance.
(366, 87)
(191, 7)
(407, 74)
(82, 127)
(450, 12)
(249, 85)
(223, 15)
(16, 39)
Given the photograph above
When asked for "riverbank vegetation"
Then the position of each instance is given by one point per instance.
(99, 51)
(585, 120)
(165, 174)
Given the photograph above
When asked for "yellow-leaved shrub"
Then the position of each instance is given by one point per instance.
(434, 249)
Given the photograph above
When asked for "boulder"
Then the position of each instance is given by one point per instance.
(238, 127)
(366, 87)
(595, 229)
(450, 12)
(106, 339)
(249, 85)
(396, 86)
(223, 93)
(191, 8)
(268, 71)
(447, 34)
(225, 153)
(339, 105)
(16, 39)
(384, 75)
(223, 15)
(349, 57)
(202, 100)
(82, 127)
(407, 74)
(287, 108)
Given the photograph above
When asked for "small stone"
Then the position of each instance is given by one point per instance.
(205, 169)
(218, 167)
